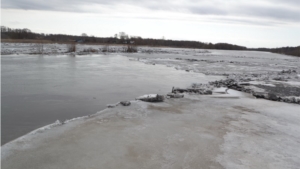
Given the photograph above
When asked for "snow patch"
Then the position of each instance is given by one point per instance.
(221, 90)
(261, 83)
(147, 96)
(265, 138)
(74, 119)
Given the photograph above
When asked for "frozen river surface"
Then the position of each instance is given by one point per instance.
(38, 90)
(226, 131)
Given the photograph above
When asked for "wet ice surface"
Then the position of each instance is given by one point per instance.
(192, 132)
(225, 62)
(38, 90)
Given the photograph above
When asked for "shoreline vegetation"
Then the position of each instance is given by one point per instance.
(25, 35)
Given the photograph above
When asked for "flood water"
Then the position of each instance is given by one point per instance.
(38, 90)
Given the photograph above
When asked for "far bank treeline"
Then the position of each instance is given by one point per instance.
(21, 34)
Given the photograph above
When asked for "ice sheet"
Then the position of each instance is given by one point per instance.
(192, 132)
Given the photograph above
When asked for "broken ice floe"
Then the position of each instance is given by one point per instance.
(151, 98)
(249, 87)
(125, 103)
(175, 95)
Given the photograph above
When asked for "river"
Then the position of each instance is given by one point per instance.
(37, 90)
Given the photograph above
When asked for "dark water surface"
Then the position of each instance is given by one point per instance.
(38, 90)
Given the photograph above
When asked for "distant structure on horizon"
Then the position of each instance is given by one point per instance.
(123, 35)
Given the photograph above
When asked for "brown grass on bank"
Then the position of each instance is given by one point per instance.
(66, 42)
(90, 43)
(25, 41)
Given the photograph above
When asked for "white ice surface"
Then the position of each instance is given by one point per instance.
(229, 94)
(265, 136)
(261, 83)
(147, 96)
(74, 119)
(221, 90)
(293, 83)
(193, 132)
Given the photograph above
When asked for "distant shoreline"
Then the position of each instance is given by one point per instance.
(290, 51)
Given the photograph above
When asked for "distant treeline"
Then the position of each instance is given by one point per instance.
(294, 51)
(8, 33)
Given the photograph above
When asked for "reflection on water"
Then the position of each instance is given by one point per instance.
(37, 90)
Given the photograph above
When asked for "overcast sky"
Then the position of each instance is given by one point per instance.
(251, 23)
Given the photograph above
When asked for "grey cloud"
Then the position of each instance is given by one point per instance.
(278, 10)
(277, 13)
(51, 5)
(280, 13)
(245, 21)
(207, 10)
(288, 2)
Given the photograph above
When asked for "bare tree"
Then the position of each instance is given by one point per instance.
(40, 47)
(72, 47)
(84, 34)
(131, 49)
(105, 48)
(123, 35)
